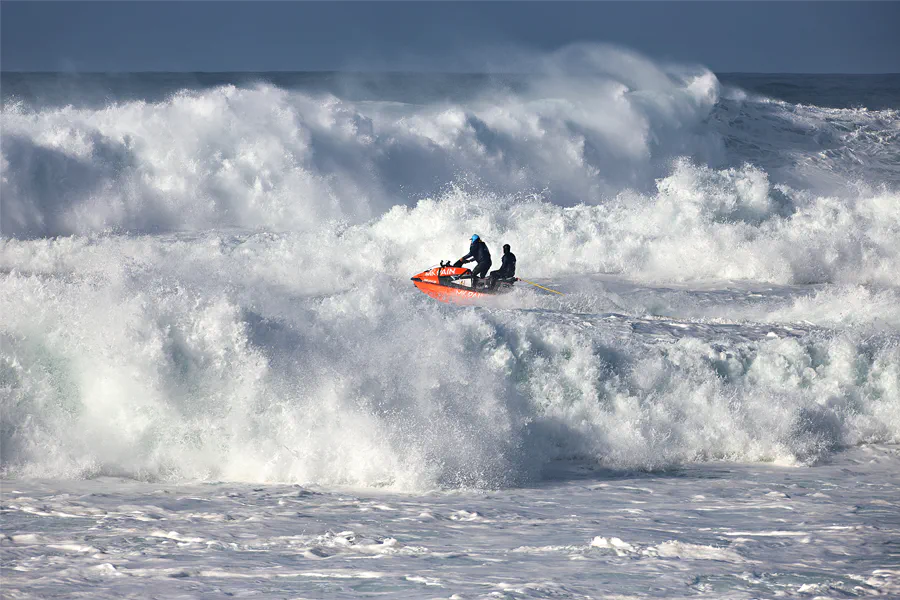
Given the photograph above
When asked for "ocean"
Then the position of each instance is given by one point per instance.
(216, 378)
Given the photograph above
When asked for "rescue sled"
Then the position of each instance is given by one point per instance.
(454, 284)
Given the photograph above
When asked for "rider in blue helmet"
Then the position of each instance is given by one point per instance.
(478, 251)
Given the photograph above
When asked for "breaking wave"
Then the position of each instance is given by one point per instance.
(215, 285)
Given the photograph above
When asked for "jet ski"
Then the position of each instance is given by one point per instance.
(454, 284)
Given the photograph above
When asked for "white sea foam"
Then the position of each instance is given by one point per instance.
(705, 530)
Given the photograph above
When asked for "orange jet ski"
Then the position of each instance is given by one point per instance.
(453, 284)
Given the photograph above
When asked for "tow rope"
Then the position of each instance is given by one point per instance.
(540, 286)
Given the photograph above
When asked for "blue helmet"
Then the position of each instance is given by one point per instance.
(475, 237)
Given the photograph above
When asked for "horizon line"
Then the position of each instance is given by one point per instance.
(392, 72)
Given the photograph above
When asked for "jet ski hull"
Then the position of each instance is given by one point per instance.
(450, 295)
(446, 284)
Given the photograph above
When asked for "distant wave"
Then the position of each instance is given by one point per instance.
(286, 159)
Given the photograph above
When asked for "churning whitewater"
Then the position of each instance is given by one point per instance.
(213, 284)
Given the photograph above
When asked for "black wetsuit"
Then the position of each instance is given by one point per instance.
(479, 251)
(507, 268)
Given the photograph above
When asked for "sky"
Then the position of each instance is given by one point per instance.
(755, 36)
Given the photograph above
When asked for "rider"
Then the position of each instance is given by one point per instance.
(507, 267)
(478, 251)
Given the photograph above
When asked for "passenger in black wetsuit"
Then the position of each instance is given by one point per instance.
(507, 267)
(478, 251)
